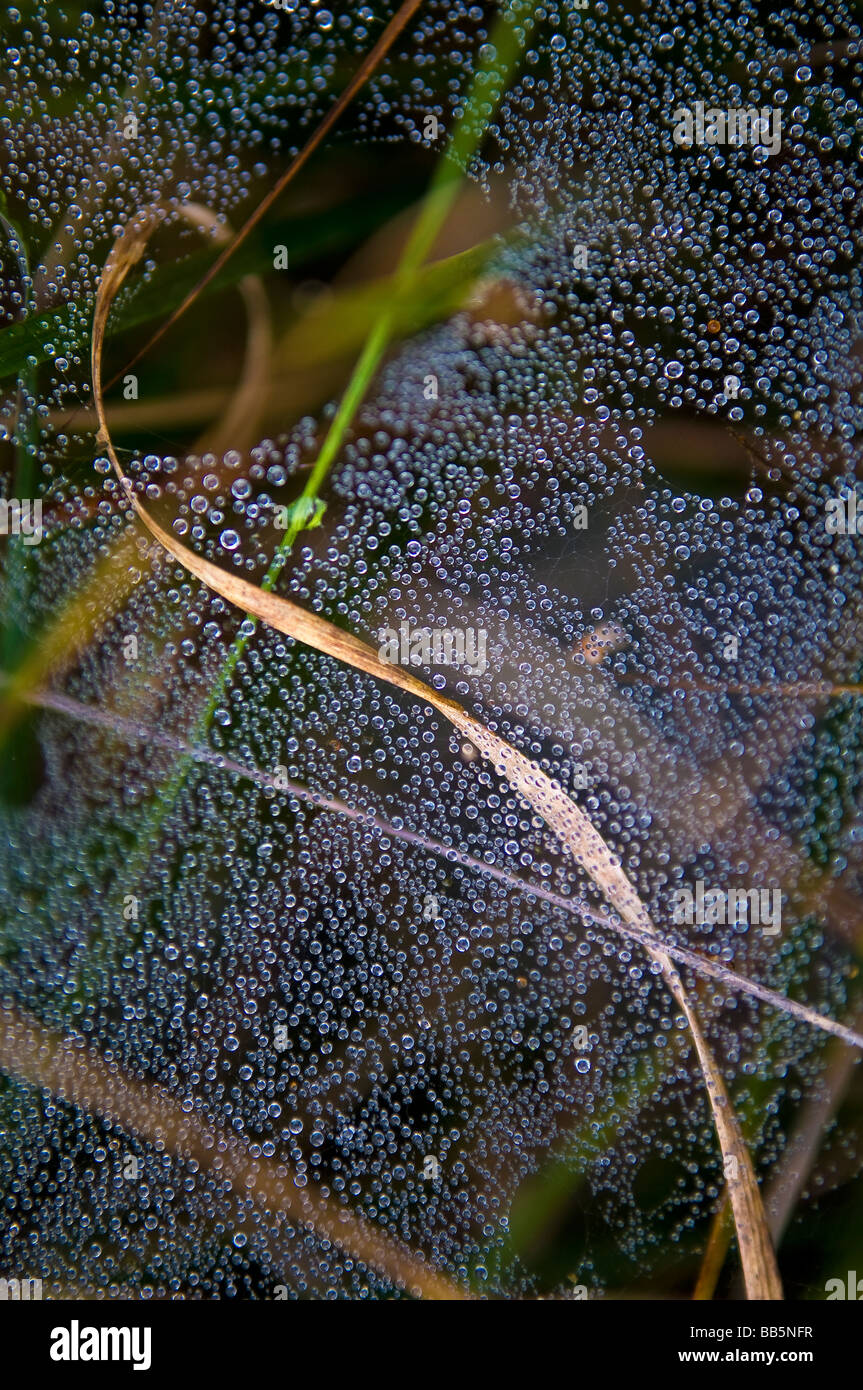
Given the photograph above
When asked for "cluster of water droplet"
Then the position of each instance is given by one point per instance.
(287, 893)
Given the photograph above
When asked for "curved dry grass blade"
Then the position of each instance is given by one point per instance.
(70, 1069)
(545, 796)
(361, 76)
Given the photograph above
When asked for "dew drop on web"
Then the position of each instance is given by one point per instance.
(340, 936)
